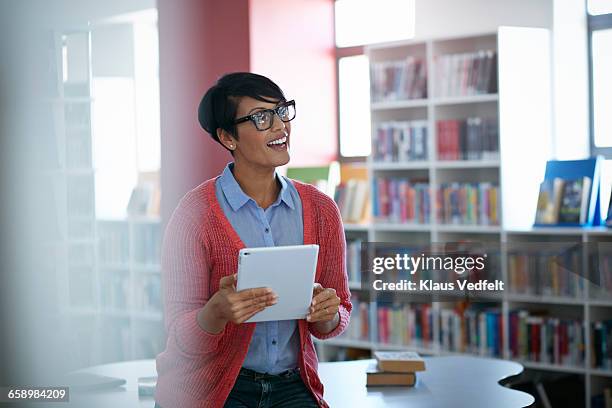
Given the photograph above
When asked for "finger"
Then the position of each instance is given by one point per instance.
(317, 288)
(246, 313)
(332, 302)
(228, 281)
(322, 315)
(248, 316)
(323, 296)
(254, 293)
(263, 301)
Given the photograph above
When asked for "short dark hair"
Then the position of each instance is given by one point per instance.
(218, 107)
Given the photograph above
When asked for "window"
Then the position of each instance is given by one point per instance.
(600, 43)
(357, 23)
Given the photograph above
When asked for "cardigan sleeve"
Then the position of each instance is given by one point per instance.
(332, 253)
(185, 276)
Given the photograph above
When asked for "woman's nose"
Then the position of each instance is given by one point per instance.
(277, 123)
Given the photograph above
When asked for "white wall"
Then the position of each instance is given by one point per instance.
(447, 18)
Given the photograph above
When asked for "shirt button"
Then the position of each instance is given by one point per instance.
(267, 230)
(273, 341)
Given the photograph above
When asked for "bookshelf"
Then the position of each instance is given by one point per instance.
(514, 165)
(107, 271)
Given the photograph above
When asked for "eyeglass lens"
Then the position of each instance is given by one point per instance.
(263, 119)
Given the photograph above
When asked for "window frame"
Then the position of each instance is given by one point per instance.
(342, 52)
(595, 23)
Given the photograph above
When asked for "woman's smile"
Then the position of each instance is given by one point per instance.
(279, 143)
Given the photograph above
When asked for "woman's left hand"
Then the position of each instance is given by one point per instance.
(324, 305)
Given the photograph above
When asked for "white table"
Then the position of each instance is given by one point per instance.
(448, 382)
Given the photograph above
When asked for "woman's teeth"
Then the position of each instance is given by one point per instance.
(278, 141)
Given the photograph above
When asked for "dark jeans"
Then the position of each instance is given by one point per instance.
(256, 390)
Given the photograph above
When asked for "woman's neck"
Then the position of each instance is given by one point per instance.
(258, 183)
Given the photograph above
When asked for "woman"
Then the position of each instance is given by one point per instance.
(213, 358)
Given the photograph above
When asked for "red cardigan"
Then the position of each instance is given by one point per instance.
(198, 369)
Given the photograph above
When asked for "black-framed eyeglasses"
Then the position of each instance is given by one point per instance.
(263, 119)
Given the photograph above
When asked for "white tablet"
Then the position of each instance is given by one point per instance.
(288, 270)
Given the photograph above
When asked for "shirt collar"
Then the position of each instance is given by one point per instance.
(237, 198)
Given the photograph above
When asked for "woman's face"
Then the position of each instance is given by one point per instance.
(254, 145)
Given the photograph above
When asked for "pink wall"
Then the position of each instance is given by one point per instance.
(199, 40)
(292, 42)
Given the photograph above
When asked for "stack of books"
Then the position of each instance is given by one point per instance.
(394, 368)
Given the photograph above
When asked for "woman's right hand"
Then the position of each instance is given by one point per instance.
(229, 305)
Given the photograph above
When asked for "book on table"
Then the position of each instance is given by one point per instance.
(377, 377)
(399, 361)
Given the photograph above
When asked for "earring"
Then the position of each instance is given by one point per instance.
(232, 146)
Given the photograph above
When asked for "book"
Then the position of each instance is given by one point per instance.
(376, 377)
(399, 361)
(549, 201)
(577, 170)
(573, 208)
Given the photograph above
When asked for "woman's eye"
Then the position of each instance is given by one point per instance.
(259, 117)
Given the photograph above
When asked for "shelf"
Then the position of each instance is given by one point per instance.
(600, 302)
(344, 342)
(368, 345)
(356, 227)
(549, 231)
(404, 104)
(413, 165)
(480, 229)
(466, 164)
(601, 372)
(388, 226)
(418, 349)
(457, 100)
(555, 300)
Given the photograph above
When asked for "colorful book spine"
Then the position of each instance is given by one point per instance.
(548, 340)
(465, 74)
(471, 331)
(400, 141)
(359, 326)
(474, 138)
(468, 203)
(405, 324)
(401, 200)
(546, 273)
(399, 80)
(601, 344)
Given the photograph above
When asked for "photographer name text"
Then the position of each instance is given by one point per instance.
(429, 285)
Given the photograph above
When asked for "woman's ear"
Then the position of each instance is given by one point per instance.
(226, 139)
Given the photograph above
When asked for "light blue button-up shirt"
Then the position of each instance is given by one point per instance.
(274, 347)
